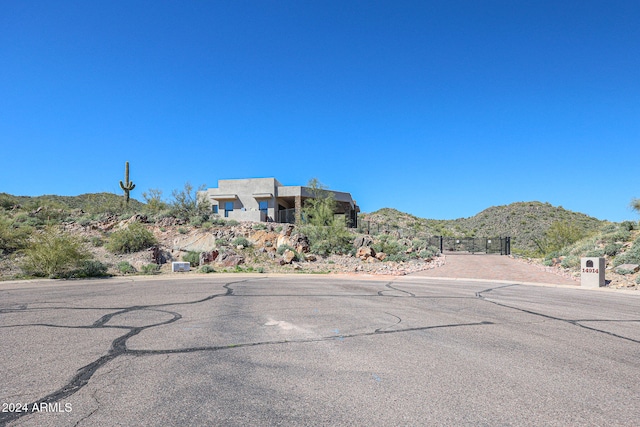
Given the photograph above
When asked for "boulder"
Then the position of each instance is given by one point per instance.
(361, 241)
(288, 256)
(208, 257)
(365, 252)
(231, 259)
(627, 267)
(381, 256)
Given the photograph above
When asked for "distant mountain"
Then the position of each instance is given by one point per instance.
(90, 202)
(523, 221)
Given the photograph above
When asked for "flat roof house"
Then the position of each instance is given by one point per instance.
(266, 199)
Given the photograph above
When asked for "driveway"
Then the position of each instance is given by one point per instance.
(494, 268)
(316, 350)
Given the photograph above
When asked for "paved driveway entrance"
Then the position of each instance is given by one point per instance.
(493, 267)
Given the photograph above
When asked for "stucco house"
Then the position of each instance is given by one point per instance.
(266, 199)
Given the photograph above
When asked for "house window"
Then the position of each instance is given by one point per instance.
(228, 207)
(264, 207)
(214, 208)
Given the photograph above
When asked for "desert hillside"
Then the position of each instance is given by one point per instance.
(524, 222)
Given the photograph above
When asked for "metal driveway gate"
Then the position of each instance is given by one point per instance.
(485, 245)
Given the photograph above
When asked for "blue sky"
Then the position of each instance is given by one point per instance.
(437, 108)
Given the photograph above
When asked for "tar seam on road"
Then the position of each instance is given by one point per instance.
(547, 316)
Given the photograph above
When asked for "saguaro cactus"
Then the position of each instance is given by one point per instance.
(127, 186)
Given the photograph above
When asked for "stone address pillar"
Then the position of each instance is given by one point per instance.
(592, 272)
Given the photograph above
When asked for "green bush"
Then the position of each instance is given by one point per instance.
(612, 249)
(131, 239)
(570, 262)
(207, 269)
(150, 269)
(628, 225)
(192, 257)
(624, 271)
(125, 267)
(89, 268)
(638, 280)
(595, 253)
(242, 241)
(53, 253)
(631, 256)
(282, 248)
(388, 245)
(12, 236)
(97, 241)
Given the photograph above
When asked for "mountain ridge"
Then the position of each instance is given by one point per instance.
(525, 222)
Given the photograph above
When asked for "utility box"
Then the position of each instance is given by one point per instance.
(180, 266)
(592, 272)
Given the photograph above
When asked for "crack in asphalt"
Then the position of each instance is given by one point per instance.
(300, 341)
(388, 285)
(574, 322)
(118, 347)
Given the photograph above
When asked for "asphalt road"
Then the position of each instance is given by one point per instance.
(261, 350)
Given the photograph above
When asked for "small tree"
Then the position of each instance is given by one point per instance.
(635, 205)
(327, 233)
(53, 253)
(188, 203)
(559, 235)
(153, 199)
(134, 238)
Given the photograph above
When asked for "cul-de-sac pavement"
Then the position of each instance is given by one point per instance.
(485, 345)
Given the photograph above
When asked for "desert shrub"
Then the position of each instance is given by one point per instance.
(631, 256)
(638, 280)
(125, 267)
(259, 226)
(282, 248)
(621, 235)
(150, 269)
(182, 230)
(388, 245)
(131, 239)
(207, 269)
(429, 252)
(570, 261)
(222, 242)
(612, 249)
(231, 222)
(559, 235)
(189, 203)
(53, 253)
(624, 271)
(192, 257)
(89, 268)
(12, 236)
(97, 241)
(242, 241)
(398, 257)
(328, 239)
(628, 225)
(197, 220)
(595, 253)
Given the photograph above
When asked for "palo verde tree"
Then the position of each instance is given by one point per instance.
(127, 185)
(327, 232)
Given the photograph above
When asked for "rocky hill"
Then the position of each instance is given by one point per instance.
(524, 222)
